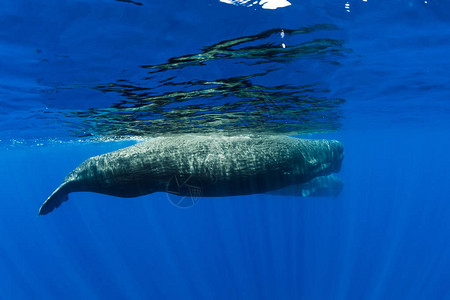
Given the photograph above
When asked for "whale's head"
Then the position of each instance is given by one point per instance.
(335, 155)
(324, 157)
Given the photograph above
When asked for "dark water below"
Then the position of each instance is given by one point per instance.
(81, 78)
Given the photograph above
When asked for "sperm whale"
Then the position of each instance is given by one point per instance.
(217, 165)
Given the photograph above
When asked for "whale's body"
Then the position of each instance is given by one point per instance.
(215, 165)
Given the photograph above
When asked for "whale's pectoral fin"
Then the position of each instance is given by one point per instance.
(56, 198)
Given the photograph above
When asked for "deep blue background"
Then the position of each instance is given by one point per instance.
(385, 237)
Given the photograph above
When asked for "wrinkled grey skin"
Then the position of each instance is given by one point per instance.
(216, 165)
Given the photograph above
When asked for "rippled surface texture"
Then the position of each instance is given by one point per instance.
(234, 86)
(120, 69)
(81, 78)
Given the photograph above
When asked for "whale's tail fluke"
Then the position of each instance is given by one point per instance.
(56, 198)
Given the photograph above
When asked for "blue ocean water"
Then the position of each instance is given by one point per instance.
(82, 78)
